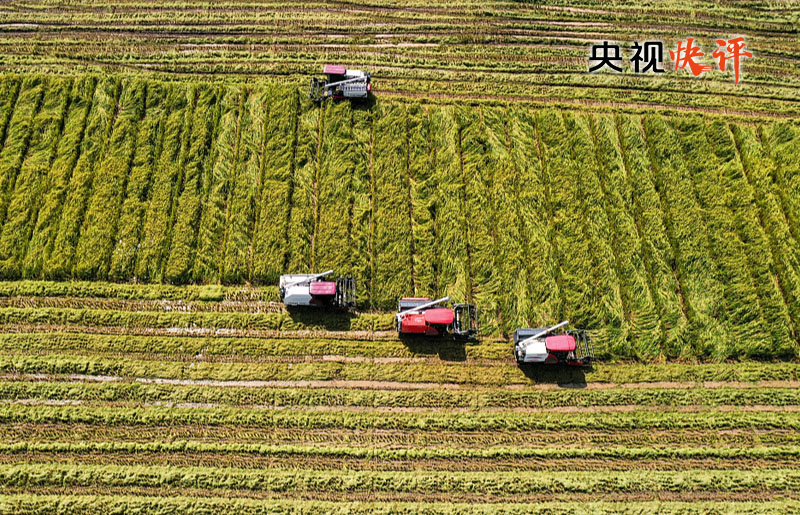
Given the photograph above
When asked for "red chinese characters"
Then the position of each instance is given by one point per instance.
(735, 51)
(686, 54)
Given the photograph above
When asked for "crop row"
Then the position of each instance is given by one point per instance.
(756, 19)
(469, 373)
(154, 319)
(99, 344)
(436, 438)
(78, 504)
(228, 306)
(493, 453)
(456, 420)
(246, 347)
(418, 482)
(130, 291)
(474, 399)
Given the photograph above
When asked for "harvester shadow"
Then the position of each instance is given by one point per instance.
(365, 104)
(564, 376)
(446, 350)
(326, 320)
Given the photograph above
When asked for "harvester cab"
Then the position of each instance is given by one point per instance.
(425, 317)
(314, 290)
(571, 347)
(340, 84)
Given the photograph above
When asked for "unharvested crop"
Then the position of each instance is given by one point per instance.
(662, 234)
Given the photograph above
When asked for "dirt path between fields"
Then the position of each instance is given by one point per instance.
(397, 385)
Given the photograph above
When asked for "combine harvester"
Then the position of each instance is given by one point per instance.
(573, 347)
(341, 84)
(310, 290)
(420, 316)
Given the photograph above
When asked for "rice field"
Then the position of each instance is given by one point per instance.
(161, 166)
(438, 52)
(670, 236)
(213, 416)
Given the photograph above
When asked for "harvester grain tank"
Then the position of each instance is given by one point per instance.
(314, 291)
(340, 83)
(570, 347)
(425, 317)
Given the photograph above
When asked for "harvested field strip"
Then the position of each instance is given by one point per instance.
(224, 306)
(314, 462)
(556, 382)
(301, 371)
(234, 320)
(402, 497)
(487, 455)
(474, 399)
(90, 504)
(410, 50)
(477, 374)
(153, 292)
(249, 348)
(306, 483)
(221, 332)
(382, 438)
(414, 410)
(396, 419)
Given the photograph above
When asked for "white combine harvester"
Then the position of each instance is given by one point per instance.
(340, 84)
(312, 290)
(573, 347)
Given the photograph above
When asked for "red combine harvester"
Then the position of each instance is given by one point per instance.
(421, 316)
(340, 84)
(311, 290)
(573, 347)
